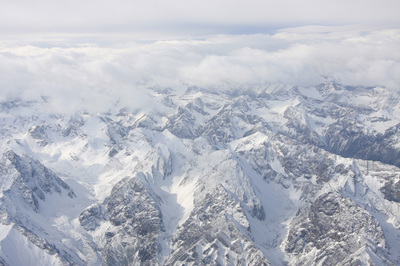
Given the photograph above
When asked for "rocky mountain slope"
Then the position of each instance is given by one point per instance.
(273, 175)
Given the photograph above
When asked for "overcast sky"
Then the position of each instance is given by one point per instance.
(189, 17)
(90, 53)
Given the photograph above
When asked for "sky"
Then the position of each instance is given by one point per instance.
(187, 16)
(84, 53)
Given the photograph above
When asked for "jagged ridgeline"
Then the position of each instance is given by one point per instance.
(273, 175)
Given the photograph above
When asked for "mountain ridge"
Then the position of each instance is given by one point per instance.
(277, 175)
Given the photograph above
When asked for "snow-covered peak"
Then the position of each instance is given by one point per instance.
(24, 178)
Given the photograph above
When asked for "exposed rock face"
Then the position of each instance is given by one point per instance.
(135, 224)
(217, 232)
(334, 230)
(391, 191)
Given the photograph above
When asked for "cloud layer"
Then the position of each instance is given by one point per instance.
(94, 76)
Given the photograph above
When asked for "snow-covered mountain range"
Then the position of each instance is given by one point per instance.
(266, 175)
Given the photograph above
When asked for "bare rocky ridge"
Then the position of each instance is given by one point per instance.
(26, 185)
(23, 178)
(135, 224)
(335, 230)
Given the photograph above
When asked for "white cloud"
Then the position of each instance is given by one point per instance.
(95, 76)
